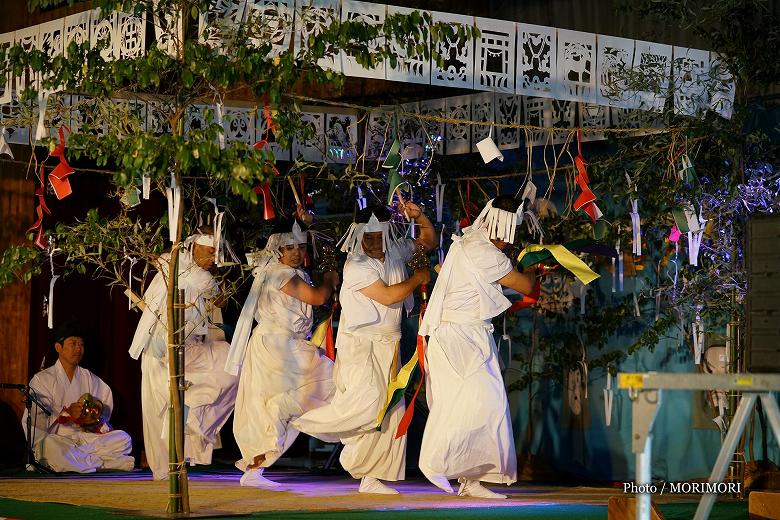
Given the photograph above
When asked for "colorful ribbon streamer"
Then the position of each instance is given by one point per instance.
(566, 258)
(586, 199)
(40, 210)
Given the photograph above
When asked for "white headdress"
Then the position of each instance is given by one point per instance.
(352, 241)
(499, 223)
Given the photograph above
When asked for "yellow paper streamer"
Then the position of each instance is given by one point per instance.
(401, 380)
(318, 336)
(566, 258)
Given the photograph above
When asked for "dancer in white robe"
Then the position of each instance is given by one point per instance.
(212, 392)
(476, 443)
(59, 442)
(375, 290)
(282, 374)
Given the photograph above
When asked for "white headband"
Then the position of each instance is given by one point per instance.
(201, 240)
(352, 241)
(499, 223)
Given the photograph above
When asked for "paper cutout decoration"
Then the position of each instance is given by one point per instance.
(6, 81)
(690, 72)
(536, 59)
(130, 36)
(653, 62)
(507, 112)
(341, 138)
(370, 14)
(494, 67)
(434, 129)
(51, 39)
(595, 117)
(613, 67)
(239, 124)
(104, 32)
(312, 148)
(458, 138)
(413, 68)
(576, 66)
(270, 21)
(27, 38)
(312, 16)
(723, 89)
(377, 134)
(457, 53)
(537, 112)
(224, 15)
(482, 110)
(168, 30)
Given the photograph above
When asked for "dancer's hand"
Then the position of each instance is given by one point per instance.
(423, 275)
(331, 279)
(409, 209)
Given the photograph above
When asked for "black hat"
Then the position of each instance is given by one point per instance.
(67, 329)
(285, 225)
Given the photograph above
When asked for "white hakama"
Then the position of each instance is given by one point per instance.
(211, 395)
(366, 345)
(462, 371)
(66, 447)
(283, 375)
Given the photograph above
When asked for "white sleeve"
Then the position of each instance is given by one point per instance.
(359, 274)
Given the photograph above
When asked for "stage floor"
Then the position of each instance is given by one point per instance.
(308, 494)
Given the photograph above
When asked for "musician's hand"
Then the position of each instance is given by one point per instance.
(75, 409)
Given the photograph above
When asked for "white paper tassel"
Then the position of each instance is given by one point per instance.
(697, 327)
(4, 148)
(608, 394)
(220, 116)
(133, 261)
(146, 185)
(439, 198)
(361, 200)
(694, 242)
(51, 300)
(636, 228)
(637, 314)
(40, 129)
(441, 246)
(174, 200)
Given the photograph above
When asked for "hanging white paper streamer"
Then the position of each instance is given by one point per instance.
(54, 278)
(657, 305)
(614, 274)
(439, 198)
(697, 328)
(676, 266)
(583, 295)
(146, 182)
(361, 200)
(133, 261)
(636, 228)
(217, 225)
(412, 228)
(636, 306)
(620, 268)
(441, 245)
(40, 130)
(220, 115)
(608, 394)
(174, 200)
(4, 147)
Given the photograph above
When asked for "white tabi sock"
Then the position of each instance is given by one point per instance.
(373, 485)
(441, 482)
(475, 489)
(255, 478)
